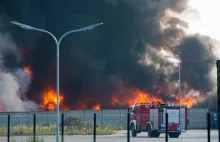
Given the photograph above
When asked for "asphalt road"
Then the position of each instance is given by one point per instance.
(188, 136)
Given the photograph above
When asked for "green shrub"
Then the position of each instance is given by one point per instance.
(79, 129)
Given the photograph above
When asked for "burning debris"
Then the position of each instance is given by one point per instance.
(115, 65)
(49, 100)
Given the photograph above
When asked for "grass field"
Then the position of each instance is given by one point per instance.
(22, 130)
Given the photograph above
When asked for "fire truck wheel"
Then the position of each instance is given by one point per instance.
(157, 134)
(133, 131)
(153, 133)
(174, 135)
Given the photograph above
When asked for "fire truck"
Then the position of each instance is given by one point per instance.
(151, 118)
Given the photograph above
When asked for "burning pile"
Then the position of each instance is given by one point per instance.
(49, 100)
(113, 66)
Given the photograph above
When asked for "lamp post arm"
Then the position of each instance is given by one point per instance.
(47, 32)
(67, 33)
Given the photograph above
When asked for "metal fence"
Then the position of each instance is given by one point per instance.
(89, 125)
(106, 117)
(197, 117)
(93, 130)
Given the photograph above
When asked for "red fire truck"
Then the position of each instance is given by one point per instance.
(151, 118)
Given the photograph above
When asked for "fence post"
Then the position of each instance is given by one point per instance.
(166, 140)
(128, 127)
(102, 117)
(62, 127)
(34, 121)
(84, 113)
(121, 117)
(208, 126)
(9, 118)
(94, 132)
(218, 94)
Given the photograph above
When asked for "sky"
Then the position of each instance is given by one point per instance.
(204, 19)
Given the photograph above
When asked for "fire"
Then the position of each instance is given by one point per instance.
(96, 107)
(27, 69)
(49, 100)
(137, 96)
(189, 101)
(126, 97)
(87, 103)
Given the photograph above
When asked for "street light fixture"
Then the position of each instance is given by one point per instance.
(177, 58)
(27, 27)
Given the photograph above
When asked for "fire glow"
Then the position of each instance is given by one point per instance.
(143, 97)
(50, 100)
(127, 97)
(136, 95)
(189, 101)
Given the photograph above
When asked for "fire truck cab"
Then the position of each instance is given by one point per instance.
(151, 118)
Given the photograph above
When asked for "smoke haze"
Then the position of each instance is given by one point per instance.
(131, 45)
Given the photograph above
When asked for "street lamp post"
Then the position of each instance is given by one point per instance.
(178, 58)
(27, 27)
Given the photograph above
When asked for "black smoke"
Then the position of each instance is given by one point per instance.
(95, 63)
(198, 61)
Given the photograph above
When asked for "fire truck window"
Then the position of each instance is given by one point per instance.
(137, 110)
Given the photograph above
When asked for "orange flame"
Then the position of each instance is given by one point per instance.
(96, 107)
(189, 101)
(126, 97)
(138, 96)
(144, 97)
(27, 69)
(50, 100)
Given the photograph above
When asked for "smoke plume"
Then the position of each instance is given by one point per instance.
(14, 82)
(131, 45)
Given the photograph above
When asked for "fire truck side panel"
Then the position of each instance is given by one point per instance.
(137, 114)
(144, 117)
(163, 119)
(154, 118)
(173, 115)
(159, 118)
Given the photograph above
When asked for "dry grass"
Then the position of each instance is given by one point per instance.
(27, 130)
